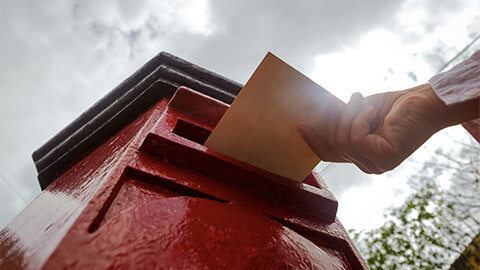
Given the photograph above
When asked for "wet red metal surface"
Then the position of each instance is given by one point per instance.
(153, 197)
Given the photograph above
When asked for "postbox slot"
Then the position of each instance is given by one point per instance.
(323, 240)
(164, 185)
(316, 238)
(191, 131)
(169, 185)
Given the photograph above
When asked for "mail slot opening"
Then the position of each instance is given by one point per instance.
(191, 131)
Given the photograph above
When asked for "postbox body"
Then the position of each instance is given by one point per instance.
(153, 197)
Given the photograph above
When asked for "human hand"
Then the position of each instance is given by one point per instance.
(378, 132)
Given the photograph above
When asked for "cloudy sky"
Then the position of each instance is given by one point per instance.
(59, 57)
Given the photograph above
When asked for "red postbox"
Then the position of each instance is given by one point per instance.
(152, 196)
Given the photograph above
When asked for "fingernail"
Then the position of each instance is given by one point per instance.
(368, 108)
(355, 96)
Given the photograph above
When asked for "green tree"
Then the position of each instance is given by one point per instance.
(435, 224)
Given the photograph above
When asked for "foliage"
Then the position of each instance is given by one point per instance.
(435, 224)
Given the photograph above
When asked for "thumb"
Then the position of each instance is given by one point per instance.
(318, 145)
(361, 124)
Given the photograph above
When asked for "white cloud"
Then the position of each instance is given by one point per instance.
(364, 207)
(380, 62)
(396, 57)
